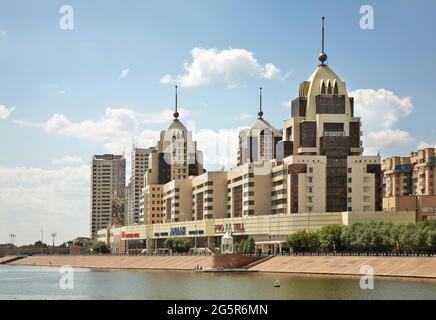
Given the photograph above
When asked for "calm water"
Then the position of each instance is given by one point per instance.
(43, 283)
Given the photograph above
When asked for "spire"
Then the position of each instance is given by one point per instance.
(176, 113)
(260, 114)
(322, 56)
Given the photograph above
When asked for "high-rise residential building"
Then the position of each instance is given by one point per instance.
(108, 178)
(412, 175)
(176, 157)
(139, 165)
(409, 183)
(314, 165)
(259, 142)
(128, 206)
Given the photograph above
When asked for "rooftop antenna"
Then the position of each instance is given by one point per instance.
(176, 113)
(322, 56)
(260, 114)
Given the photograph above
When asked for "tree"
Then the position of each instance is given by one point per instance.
(304, 241)
(240, 247)
(330, 238)
(178, 244)
(101, 247)
(249, 246)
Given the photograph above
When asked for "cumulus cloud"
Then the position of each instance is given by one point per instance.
(5, 112)
(124, 73)
(381, 110)
(68, 160)
(424, 144)
(55, 198)
(219, 147)
(114, 131)
(229, 65)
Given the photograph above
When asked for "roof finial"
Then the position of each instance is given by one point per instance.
(322, 56)
(260, 114)
(176, 113)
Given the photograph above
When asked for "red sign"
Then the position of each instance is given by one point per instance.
(238, 227)
(219, 228)
(129, 235)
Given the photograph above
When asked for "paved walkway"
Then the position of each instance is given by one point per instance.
(424, 267)
(120, 262)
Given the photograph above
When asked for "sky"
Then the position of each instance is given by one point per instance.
(104, 79)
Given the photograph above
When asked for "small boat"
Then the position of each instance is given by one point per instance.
(277, 284)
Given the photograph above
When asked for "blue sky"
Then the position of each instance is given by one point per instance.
(76, 75)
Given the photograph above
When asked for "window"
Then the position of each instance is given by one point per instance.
(349, 200)
(349, 170)
(310, 169)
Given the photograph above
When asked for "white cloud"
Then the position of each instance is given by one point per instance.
(62, 92)
(219, 147)
(53, 200)
(167, 79)
(68, 160)
(114, 131)
(5, 112)
(388, 140)
(423, 144)
(381, 111)
(3, 33)
(229, 65)
(124, 73)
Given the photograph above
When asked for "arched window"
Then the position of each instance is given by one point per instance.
(335, 89)
(322, 87)
(329, 87)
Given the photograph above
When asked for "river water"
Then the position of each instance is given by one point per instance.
(19, 282)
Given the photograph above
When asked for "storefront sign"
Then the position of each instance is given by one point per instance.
(178, 231)
(237, 227)
(193, 232)
(129, 235)
(161, 234)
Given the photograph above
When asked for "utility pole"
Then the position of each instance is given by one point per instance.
(42, 239)
(53, 235)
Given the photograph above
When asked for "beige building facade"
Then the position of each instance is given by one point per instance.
(108, 178)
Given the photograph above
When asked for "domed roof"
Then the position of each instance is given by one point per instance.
(262, 124)
(177, 125)
(324, 75)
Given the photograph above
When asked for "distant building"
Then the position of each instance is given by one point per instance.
(409, 183)
(108, 177)
(259, 142)
(175, 158)
(139, 164)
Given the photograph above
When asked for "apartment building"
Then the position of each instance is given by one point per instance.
(108, 178)
(409, 183)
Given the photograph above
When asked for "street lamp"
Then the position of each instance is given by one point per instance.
(53, 235)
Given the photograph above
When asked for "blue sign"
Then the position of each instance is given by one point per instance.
(178, 231)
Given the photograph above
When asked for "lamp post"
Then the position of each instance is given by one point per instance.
(53, 235)
(42, 239)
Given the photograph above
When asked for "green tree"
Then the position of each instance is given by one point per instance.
(101, 247)
(240, 246)
(177, 244)
(330, 238)
(249, 246)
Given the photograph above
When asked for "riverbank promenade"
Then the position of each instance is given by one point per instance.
(417, 267)
(409, 267)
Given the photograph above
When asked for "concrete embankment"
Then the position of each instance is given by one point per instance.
(141, 262)
(120, 262)
(417, 267)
